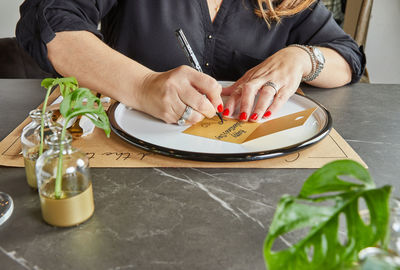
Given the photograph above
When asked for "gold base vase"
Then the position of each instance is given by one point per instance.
(68, 210)
(69, 201)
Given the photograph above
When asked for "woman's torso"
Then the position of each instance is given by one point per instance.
(237, 39)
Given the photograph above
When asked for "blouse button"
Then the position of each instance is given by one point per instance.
(207, 64)
(209, 36)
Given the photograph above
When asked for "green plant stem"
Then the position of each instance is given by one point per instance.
(58, 184)
(42, 121)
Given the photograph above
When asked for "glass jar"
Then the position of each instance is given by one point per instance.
(30, 141)
(372, 258)
(73, 202)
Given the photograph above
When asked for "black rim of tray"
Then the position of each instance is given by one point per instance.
(221, 157)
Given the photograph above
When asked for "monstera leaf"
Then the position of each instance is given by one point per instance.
(66, 85)
(330, 192)
(82, 101)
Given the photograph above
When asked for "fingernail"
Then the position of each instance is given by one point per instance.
(267, 114)
(243, 116)
(254, 116)
(220, 108)
(226, 112)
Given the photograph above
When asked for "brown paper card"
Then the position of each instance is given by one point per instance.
(231, 130)
(282, 123)
(235, 131)
(114, 152)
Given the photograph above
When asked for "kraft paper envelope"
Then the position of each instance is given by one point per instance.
(235, 131)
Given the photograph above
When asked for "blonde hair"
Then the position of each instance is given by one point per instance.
(271, 11)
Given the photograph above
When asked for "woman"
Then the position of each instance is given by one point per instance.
(263, 45)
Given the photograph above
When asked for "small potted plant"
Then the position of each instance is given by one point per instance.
(32, 137)
(62, 172)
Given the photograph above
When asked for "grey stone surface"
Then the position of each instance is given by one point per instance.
(174, 218)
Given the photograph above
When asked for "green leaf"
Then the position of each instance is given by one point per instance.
(82, 101)
(327, 179)
(66, 84)
(320, 214)
(47, 83)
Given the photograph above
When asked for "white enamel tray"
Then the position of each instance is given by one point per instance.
(156, 136)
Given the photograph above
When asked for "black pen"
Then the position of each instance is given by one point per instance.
(191, 57)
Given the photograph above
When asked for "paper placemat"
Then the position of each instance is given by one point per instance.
(114, 152)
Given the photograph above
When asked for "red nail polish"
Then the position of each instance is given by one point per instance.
(220, 108)
(243, 116)
(254, 116)
(267, 114)
(226, 112)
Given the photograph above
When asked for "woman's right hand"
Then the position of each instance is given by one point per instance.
(165, 95)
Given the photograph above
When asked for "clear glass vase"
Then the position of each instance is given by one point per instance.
(68, 200)
(372, 258)
(30, 141)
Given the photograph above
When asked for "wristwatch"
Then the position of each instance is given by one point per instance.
(317, 61)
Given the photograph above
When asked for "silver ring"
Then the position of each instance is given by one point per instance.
(185, 116)
(273, 85)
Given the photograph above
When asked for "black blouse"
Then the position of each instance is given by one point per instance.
(144, 31)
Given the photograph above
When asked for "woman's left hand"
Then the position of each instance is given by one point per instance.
(284, 70)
